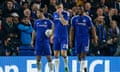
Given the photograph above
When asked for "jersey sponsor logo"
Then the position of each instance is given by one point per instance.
(42, 25)
(83, 24)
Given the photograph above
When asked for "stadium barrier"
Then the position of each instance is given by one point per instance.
(28, 64)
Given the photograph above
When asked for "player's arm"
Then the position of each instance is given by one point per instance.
(33, 38)
(63, 21)
(52, 36)
(71, 33)
(71, 36)
(93, 30)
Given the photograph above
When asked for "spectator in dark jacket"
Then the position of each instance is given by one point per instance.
(9, 28)
(9, 8)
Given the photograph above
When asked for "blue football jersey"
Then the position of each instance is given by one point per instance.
(60, 30)
(81, 25)
(40, 27)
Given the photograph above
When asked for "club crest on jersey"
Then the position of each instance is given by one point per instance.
(45, 22)
(84, 20)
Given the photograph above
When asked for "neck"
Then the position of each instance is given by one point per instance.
(43, 17)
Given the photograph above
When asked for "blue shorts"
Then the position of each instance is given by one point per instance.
(82, 46)
(60, 44)
(42, 48)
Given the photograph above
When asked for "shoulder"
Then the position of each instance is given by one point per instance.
(66, 12)
(87, 17)
(75, 17)
(37, 20)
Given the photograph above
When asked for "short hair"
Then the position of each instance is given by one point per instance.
(23, 17)
(40, 10)
(58, 3)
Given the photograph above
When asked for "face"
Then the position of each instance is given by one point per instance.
(113, 24)
(59, 7)
(100, 19)
(35, 7)
(25, 6)
(25, 20)
(9, 4)
(39, 14)
(87, 6)
(16, 20)
(100, 11)
(9, 20)
(52, 1)
(27, 12)
(80, 11)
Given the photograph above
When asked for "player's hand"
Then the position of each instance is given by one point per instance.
(95, 40)
(59, 12)
(32, 44)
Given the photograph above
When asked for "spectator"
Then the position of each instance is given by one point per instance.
(113, 36)
(101, 33)
(88, 9)
(26, 31)
(102, 4)
(9, 28)
(106, 11)
(100, 12)
(27, 13)
(51, 7)
(15, 18)
(115, 4)
(34, 8)
(7, 48)
(46, 14)
(16, 21)
(25, 5)
(9, 8)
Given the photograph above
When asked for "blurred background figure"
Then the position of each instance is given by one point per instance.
(113, 37)
(8, 48)
(26, 32)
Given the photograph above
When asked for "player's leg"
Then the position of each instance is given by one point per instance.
(39, 64)
(47, 52)
(50, 64)
(83, 49)
(83, 62)
(64, 54)
(38, 57)
(56, 55)
(56, 47)
(64, 46)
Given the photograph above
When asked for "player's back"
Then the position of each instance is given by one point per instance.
(81, 25)
(41, 25)
(59, 29)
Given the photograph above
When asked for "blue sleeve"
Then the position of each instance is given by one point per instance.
(27, 29)
(30, 29)
(67, 16)
(90, 23)
(22, 27)
(50, 24)
(73, 22)
(34, 26)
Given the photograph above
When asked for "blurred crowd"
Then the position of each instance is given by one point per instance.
(17, 18)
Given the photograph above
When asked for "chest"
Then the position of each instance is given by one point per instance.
(42, 24)
(81, 22)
